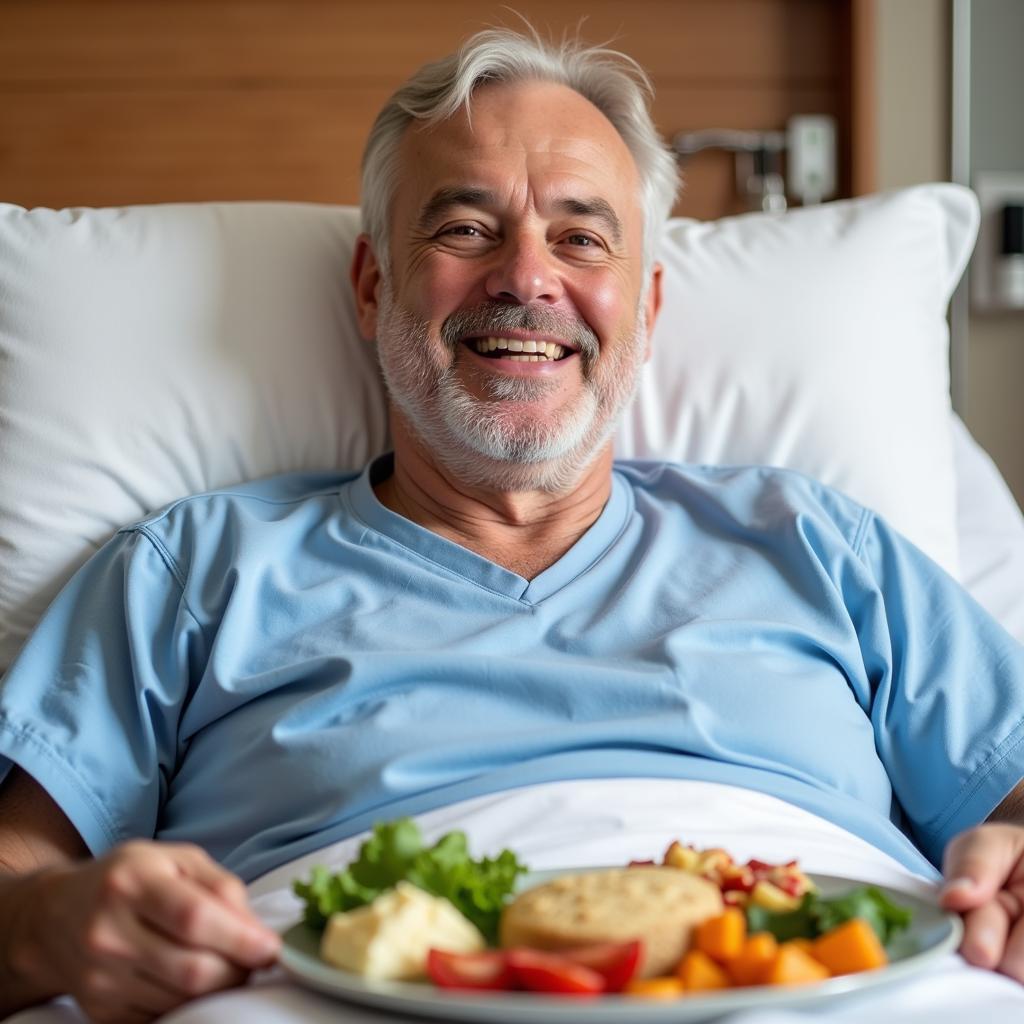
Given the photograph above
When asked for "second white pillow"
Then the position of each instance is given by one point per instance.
(817, 341)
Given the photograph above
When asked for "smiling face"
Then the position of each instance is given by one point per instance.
(515, 317)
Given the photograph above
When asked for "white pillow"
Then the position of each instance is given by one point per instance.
(152, 352)
(817, 341)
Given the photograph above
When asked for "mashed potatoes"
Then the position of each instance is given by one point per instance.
(390, 938)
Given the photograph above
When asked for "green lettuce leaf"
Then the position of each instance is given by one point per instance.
(817, 915)
(395, 852)
(870, 903)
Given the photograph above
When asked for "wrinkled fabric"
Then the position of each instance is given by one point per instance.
(269, 669)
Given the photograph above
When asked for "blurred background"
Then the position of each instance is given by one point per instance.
(769, 102)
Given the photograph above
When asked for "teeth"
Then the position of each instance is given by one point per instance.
(533, 351)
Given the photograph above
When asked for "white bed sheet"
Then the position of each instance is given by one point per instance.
(610, 822)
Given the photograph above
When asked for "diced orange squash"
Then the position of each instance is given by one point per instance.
(655, 988)
(722, 936)
(700, 973)
(807, 945)
(794, 966)
(755, 959)
(850, 947)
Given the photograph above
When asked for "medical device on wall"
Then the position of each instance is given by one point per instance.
(808, 146)
(997, 271)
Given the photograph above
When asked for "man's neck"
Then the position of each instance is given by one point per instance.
(524, 531)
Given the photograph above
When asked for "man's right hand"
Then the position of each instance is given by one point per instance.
(138, 931)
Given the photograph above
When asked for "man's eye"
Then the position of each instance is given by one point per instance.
(462, 231)
(583, 241)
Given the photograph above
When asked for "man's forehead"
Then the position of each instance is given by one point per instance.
(510, 141)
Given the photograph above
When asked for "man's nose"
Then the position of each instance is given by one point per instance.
(526, 271)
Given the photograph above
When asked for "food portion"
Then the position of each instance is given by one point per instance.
(771, 886)
(657, 907)
(392, 936)
(478, 889)
(696, 923)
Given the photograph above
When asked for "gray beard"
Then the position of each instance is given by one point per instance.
(478, 441)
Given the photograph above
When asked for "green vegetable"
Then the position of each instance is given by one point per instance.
(395, 851)
(801, 923)
(816, 915)
(882, 914)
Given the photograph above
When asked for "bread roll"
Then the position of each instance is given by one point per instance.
(658, 905)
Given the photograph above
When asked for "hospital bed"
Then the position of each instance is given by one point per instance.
(151, 352)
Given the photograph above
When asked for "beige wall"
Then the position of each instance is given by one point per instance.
(913, 92)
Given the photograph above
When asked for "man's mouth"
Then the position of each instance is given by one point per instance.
(520, 351)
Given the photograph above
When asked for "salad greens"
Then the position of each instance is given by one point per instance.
(395, 852)
(817, 915)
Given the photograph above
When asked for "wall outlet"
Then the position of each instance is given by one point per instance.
(991, 275)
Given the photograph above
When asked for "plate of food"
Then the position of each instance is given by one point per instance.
(430, 932)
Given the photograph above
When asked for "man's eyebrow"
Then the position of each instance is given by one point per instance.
(593, 207)
(445, 199)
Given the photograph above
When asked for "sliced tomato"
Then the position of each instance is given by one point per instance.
(539, 971)
(616, 962)
(487, 970)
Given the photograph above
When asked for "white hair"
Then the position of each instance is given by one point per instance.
(612, 81)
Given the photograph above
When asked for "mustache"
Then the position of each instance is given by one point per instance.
(493, 317)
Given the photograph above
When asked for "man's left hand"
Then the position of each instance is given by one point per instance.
(984, 869)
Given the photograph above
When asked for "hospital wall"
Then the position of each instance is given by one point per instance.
(913, 94)
(996, 143)
(109, 102)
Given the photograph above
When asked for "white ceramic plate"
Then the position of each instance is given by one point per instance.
(932, 934)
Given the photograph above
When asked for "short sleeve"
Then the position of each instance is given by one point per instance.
(91, 705)
(948, 704)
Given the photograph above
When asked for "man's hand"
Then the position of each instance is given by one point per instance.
(984, 868)
(137, 932)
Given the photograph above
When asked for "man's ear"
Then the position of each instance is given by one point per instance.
(365, 275)
(652, 306)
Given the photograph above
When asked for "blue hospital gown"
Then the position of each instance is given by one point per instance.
(267, 669)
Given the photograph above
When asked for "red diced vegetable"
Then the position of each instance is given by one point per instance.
(742, 881)
(790, 885)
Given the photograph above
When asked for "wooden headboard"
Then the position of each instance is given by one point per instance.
(109, 102)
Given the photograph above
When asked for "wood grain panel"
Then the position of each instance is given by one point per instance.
(860, 82)
(185, 146)
(108, 102)
(259, 41)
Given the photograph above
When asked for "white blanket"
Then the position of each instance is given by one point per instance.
(610, 822)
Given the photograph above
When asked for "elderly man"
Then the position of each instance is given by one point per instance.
(250, 675)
